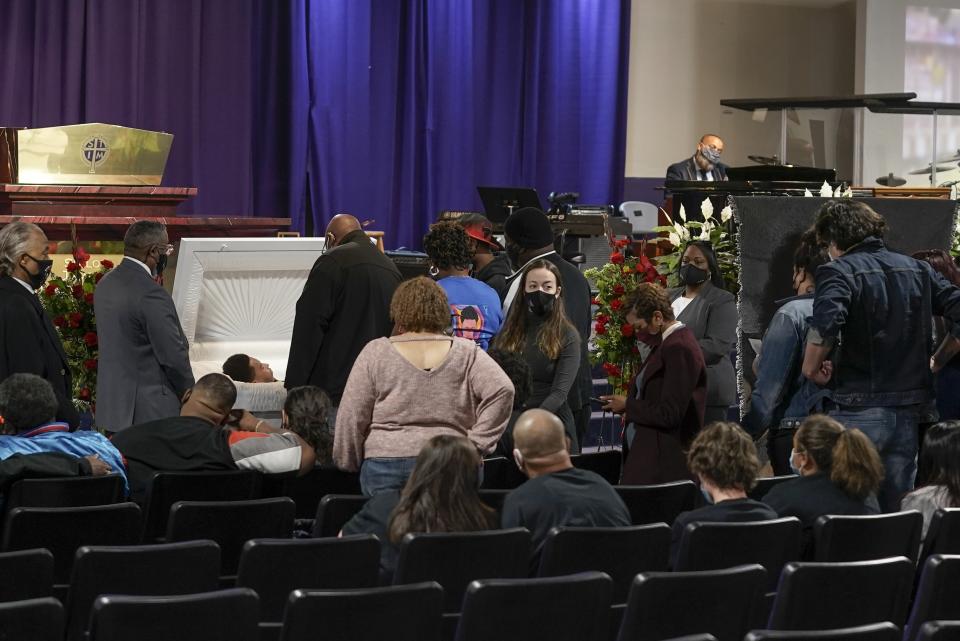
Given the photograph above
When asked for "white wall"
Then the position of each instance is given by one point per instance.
(880, 68)
(686, 55)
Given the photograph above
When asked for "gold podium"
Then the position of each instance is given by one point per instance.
(89, 154)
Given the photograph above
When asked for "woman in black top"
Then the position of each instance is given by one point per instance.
(538, 329)
(840, 473)
(724, 459)
(441, 495)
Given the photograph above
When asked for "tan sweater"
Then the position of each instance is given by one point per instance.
(391, 408)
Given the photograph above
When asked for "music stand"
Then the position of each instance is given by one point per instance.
(500, 202)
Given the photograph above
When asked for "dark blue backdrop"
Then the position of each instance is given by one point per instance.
(391, 110)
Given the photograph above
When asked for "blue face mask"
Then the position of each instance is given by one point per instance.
(706, 496)
(793, 466)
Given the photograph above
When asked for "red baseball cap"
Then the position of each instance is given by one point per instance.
(480, 228)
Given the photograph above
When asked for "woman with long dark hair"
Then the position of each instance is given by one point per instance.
(947, 380)
(538, 329)
(938, 476)
(441, 495)
(702, 304)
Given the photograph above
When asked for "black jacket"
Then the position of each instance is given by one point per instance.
(576, 303)
(345, 304)
(30, 344)
(712, 317)
(496, 273)
(687, 170)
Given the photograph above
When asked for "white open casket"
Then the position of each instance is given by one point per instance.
(239, 295)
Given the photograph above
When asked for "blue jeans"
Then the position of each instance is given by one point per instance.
(382, 474)
(893, 431)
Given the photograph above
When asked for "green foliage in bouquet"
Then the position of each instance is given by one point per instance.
(614, 344)
(717, 231)
(69, 301)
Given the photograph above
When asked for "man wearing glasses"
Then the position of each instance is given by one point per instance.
(144, 368)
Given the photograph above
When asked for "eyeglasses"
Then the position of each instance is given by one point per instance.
(165, 249)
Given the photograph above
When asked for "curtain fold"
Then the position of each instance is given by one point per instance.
(388, 109)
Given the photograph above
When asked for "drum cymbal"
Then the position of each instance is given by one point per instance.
(891, 181)
(927, 169)
(765, 160)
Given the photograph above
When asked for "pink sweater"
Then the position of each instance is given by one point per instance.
(390, 408)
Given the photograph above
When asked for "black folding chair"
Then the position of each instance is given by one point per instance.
(621, 553)
(399, 613)
(823, 596)
(138, 570)
(231, 524)
(75, 491)
(226, 614)
(32, 620)
(334, 511)
(26, 574)
(659, 503)
(767, 483)
(167, 488)
(307, 490)
(563, 608)
(937, 595)
(861, 538)
(454, 559)
(494, 498)
(875, 632)
(943, 534)
(940, 631)
(64, 529)
(273, 568)
(501, 473)
(724, 603)
(712, 546)
(606, 464)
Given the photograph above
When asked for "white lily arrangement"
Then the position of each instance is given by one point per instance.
(715, 229)
(826, 191)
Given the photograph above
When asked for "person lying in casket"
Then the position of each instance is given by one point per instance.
(247, 369)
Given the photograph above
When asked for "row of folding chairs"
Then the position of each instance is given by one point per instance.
(622, 552)
(274, 567)
(724, 604)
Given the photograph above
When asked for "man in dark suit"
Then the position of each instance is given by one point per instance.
(529, 237)
(703, 165)
(345, 304)
(30, 343)
(144, 363)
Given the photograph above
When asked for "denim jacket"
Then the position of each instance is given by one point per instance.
(878, 307)
(782, 391)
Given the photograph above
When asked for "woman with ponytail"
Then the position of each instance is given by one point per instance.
(839, 473)
(938, 478)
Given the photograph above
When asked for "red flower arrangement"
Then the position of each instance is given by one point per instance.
(69, 301)
(614, 344)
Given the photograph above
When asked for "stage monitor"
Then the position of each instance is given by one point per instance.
(782, 173)
(500, 202)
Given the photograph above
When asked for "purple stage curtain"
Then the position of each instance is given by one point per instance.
(389, 109)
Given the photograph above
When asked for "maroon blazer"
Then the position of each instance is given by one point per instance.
(669, 412)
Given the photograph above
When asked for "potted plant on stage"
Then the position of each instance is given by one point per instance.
(69, 301)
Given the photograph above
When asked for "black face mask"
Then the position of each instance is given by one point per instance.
(540, 303)
(690, 274)
(44, 266)
(161, 263)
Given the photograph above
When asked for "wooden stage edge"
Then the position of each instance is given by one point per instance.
(114, 227)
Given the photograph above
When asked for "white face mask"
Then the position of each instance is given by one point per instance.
(793, 466)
